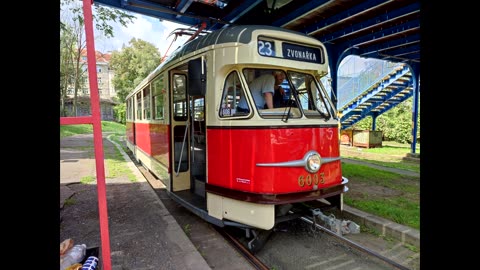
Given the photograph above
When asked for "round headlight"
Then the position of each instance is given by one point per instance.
(313, 163)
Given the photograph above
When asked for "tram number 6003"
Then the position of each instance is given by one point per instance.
(311, 179)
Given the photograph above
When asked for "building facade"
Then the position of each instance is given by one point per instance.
(107, 93)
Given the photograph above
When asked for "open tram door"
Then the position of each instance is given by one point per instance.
(180, 139)
(188, 132)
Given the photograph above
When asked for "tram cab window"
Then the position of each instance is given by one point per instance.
(270, 86)
(318, 98)
(232, 92)
(313, 101)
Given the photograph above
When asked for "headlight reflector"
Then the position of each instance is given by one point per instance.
(313, 163)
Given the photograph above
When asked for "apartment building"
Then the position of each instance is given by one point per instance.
(107, 93)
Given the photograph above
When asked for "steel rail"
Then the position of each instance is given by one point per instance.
(359, 247)
(256, 262)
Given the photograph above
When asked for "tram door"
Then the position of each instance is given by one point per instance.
(180, 137)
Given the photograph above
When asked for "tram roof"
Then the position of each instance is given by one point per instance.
(381, 29)
(240, 34)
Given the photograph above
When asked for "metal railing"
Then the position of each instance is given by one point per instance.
(357, 75)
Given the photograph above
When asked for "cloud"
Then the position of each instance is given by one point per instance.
(145, 28)
(141, 28)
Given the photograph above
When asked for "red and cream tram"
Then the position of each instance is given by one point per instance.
(244, 168)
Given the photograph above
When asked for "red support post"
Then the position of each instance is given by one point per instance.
(97, 134)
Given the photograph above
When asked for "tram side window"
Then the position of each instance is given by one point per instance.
(158, 92)
(129, 109)
(139, 106)
(232, 91)
(146, 103)
(179, 97)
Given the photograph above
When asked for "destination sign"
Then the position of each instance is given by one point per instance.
(301, 53)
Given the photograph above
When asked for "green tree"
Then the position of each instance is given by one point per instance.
(67, 71)
(132, 64)
(72, 43)
(72, 70)
(102, 16)
(395, 124)
(119, 112)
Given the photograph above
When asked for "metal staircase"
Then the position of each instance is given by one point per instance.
(377, 89)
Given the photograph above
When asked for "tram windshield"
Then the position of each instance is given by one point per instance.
(294, 94)
(311, 96)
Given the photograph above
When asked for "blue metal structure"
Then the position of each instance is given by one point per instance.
(380, 29)
(378, 97)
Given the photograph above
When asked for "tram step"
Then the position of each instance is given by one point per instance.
(200, 188)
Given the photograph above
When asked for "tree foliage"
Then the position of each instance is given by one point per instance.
(132, 64)
(102, 16)
(72, 70)
(395, 124)
(72, 43)
(120, 113)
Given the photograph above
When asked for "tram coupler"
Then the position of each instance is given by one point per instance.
(340, 227)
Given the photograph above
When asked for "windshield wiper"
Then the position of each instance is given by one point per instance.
(326, 116)
(286, 116)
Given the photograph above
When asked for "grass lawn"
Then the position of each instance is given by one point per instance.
(389, 195)
(107, 126)
(114, 160)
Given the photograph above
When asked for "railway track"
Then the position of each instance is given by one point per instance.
(355, 245)
(343, 253)
(240, 247)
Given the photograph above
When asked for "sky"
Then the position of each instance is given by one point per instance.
(145, 28)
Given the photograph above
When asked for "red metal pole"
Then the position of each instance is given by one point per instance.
(97, 134)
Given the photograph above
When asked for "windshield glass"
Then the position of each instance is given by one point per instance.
(270, 92)
(277, 94)
(312, 98)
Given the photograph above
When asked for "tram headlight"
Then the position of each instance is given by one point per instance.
(313, 163)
